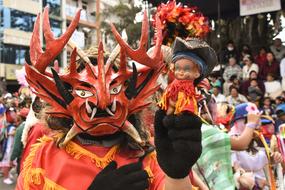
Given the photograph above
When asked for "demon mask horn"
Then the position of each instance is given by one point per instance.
(54, 46)
(95, 98)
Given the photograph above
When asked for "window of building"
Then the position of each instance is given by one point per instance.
(13, 54)
(84, 5)
(22, 21)
(55, 27)
(75, 2)
(54, 7)
(1, 17)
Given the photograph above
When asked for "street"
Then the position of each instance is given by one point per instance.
(3, 186)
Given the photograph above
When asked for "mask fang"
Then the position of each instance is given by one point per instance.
(93, 113)
(88, 107)
(73, 131)
(131, 131)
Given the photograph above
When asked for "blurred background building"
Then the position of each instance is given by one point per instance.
(16, 25)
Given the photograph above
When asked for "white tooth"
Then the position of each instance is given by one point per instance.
(93, 113)
(88, 107)
(109, 112)
(113, 108)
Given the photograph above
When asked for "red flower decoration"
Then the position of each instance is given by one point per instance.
(182, 21)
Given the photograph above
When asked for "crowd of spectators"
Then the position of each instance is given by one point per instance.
(244, 76)
(14, 109)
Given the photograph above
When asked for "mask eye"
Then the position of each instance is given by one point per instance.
(116, 89)
(83, 93)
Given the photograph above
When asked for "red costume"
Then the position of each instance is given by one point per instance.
(183, 93)
(43, 168)
(98, 97)
(93, 105)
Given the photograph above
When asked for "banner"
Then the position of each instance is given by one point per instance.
(250, 7)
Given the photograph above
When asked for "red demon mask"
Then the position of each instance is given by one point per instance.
(97, 99)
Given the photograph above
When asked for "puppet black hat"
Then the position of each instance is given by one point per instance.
(201, 49)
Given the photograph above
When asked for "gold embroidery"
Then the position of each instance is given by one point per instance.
(77, 152)
(31, 175)
(50, 185)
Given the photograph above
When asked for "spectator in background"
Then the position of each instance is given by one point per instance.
(18, 145)
(246, 84)
(232, 69)
(279, 100)
(214, 79)
(248, 67)
(234, 81)
(219, 98)
(235, 97)
(2, 128)
(229, 52)
(282, 72)
(271, 66)
(272, 86)
(260, 58)
(283, 94)
(254, 92)
(280, 112)
(245, 50)
(8, 145)
(278, 49)
(267, 106)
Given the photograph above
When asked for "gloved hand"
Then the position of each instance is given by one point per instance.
(128, 177)
(178, 142)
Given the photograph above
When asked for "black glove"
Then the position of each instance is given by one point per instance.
(128, 177)
(178, 142)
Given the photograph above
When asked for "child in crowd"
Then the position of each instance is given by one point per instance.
(279, 100)
(247, 174)
(254, 92)
(272, 86)
(267, 106)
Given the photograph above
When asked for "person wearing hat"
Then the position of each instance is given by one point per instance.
(280, 113)
(267, 128)
(248, 175)
(18, 145)
(193, 60)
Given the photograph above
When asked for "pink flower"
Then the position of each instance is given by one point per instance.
(252, 109)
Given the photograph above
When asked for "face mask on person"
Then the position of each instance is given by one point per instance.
(230, 48)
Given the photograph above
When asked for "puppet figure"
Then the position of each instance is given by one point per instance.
(192, 60)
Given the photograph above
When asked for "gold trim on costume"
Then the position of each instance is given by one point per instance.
(36, 175)
(77, 152)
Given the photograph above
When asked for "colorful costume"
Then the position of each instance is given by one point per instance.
(96, 139)
(214, 165)
(257, 152)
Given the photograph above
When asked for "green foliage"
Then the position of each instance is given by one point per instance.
(123, 17)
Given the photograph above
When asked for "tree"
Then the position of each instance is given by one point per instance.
(123, 16)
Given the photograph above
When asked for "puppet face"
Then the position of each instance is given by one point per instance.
(97, 99)
(185, 69)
